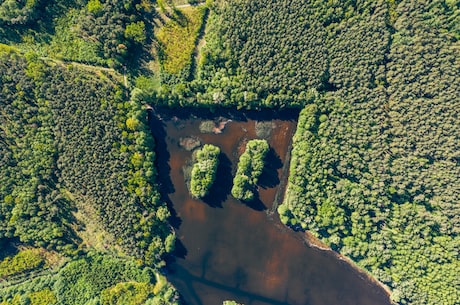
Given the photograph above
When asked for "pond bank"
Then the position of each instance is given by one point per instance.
(314, 242)
(230, 250)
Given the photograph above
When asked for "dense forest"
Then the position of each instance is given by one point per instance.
(77, 167)
(374, 169)
(374, 172)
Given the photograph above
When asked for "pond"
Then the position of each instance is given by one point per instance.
(231, 250)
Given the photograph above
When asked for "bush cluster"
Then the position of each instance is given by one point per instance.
(204, 170)
(250, 167)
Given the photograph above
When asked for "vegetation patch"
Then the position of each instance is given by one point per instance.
(206, 161)
(42, 297)
(250, 167)
(207, 126)
(132, 293)
(264, 129)
(177, 39)
(231, 303)
(25, 261)
(82, 280)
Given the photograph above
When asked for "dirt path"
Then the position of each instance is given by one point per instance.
(122, 78)
(181, 6)
(85, 66)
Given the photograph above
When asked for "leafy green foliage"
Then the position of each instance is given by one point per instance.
(372, 158)
(177, 40)
(250, 167)
(75, 135)
(82, 280)
(25, 260)
(269, 53)
(114, 169)
(32, 207)
(42, 297)
(129, 293)
(204, 170)
(136, 31)
(97, 32)
(95, 7)
(69, 43)
(18, 12)
(135, 293)
(231, 303)
(94, 278)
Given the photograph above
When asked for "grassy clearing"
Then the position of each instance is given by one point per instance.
(177, 38)
(91, 232)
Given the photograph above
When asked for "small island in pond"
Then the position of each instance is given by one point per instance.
(250, 167)
(206, 161)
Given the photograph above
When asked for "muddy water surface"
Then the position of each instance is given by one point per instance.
(231, 250)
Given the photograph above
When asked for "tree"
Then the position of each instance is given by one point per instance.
(136, 31)
(204, 170)
(250, 167)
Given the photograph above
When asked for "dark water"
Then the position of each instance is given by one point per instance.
(231, 250)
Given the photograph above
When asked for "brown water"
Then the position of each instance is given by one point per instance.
(231, 250)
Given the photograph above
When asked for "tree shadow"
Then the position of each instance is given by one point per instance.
(178, 16)
(8, 247)
(269, 177)
(171, 259)
(222, 185)
(174, 220)
(240, 277)
(158, 131)
(256, 204)
(208, 113)
(165, 185)
(180, 251)
(201, 32)
(284, 114)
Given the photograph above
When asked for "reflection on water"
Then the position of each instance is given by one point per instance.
(230, 250)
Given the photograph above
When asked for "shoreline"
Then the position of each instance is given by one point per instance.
(314, 242)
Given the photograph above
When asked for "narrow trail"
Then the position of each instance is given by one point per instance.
(78, 64)
(181, 6)
(96, 69)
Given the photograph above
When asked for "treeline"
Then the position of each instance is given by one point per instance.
(374, 170)
(266, 53)
(249, 168)
(206, 161)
